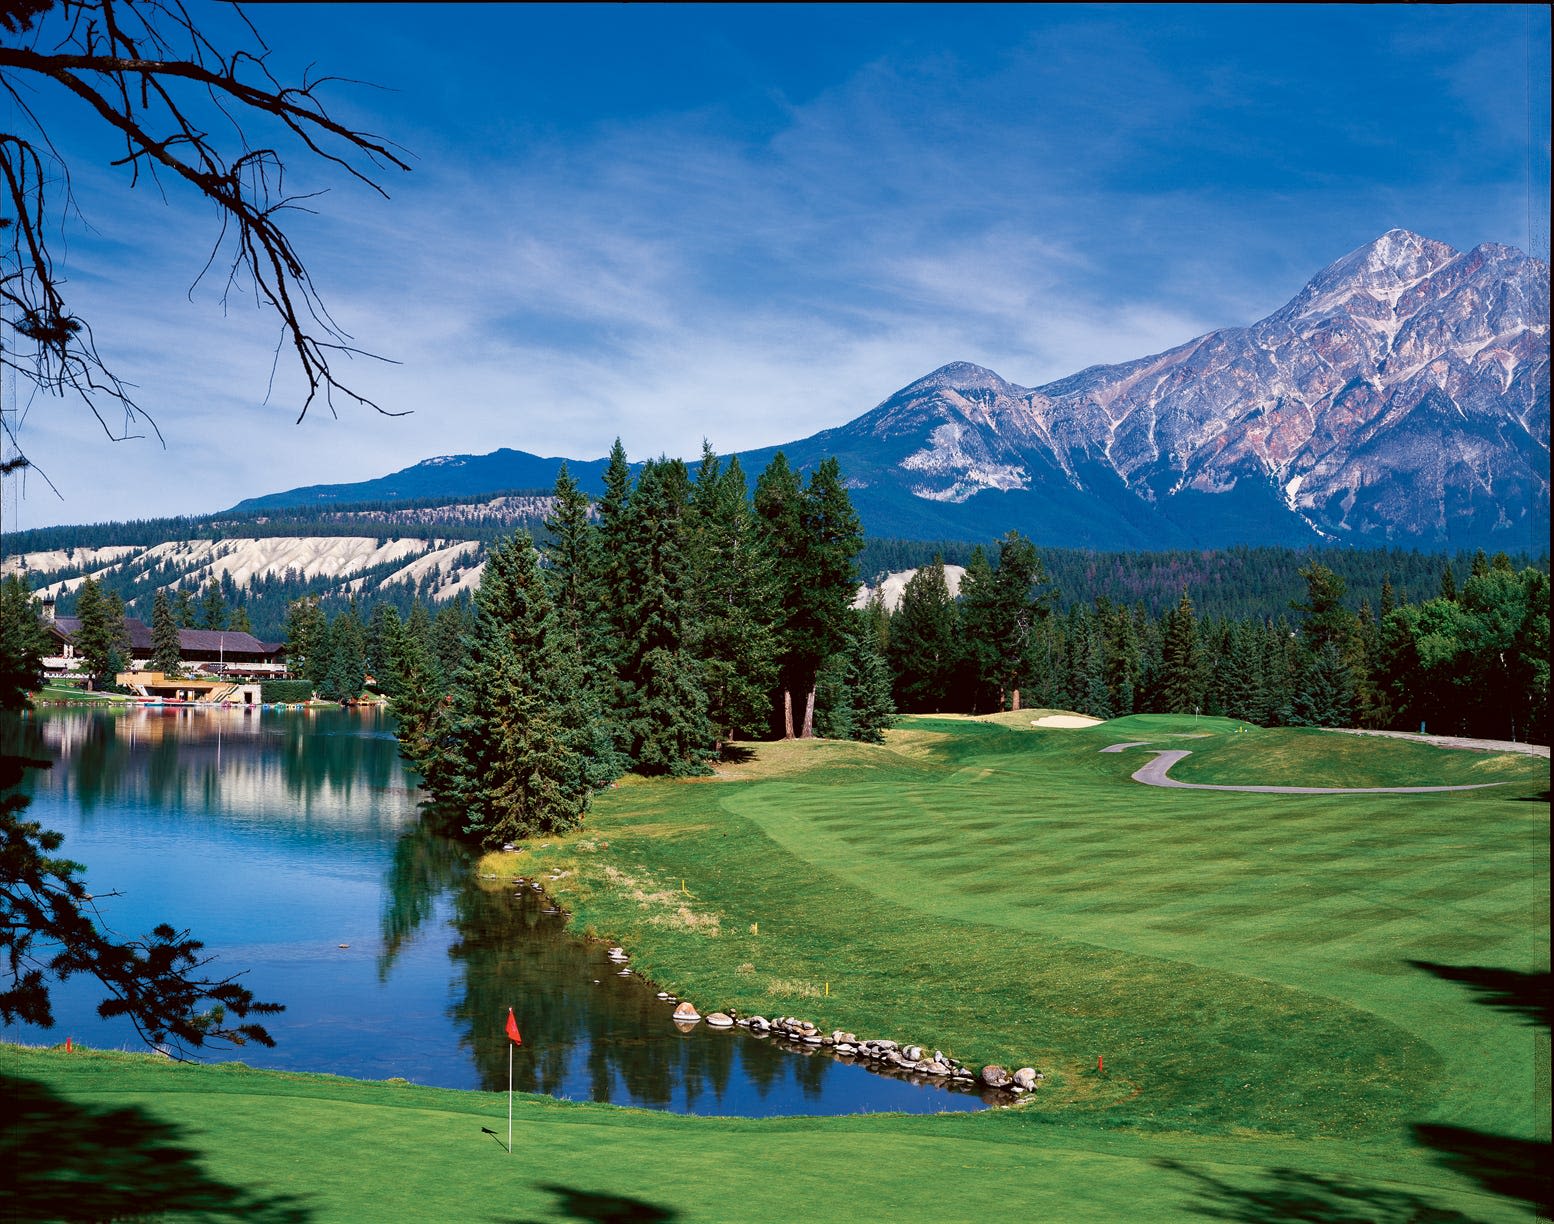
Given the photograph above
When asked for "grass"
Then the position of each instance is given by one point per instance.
(1302, 1001)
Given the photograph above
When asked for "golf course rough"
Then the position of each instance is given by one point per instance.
(1282, 987)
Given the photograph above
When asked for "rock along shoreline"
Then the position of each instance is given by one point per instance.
(904, 1060)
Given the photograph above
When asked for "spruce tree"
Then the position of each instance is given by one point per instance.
(24, 643)
(450, 632)
(213, 606)
(1181, 661)
(306, 635)
(663, 706)
(731, 593)
(102, 641)
(346, 675)
(166, 655)
(925, 642)
(779, 511)
(833, 538)
(513, 762)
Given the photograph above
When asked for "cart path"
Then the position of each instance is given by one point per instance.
(1157, 773)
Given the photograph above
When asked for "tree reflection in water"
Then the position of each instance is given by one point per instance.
(283, 838)
(587, 1032)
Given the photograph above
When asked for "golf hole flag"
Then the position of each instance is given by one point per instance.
(512, 1029)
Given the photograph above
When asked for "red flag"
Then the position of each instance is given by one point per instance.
(512, 1029)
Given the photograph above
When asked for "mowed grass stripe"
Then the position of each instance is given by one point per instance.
(1093, 867)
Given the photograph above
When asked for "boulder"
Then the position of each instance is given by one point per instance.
(995, 1077)
(686, 1012)
(720, 1020)
(1025, 1078)
(912, 1053)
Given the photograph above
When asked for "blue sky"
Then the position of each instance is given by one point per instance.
(749, 223)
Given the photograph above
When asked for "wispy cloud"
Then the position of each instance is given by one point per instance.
(767, 258)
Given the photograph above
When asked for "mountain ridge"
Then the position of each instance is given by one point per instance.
(1400, 397)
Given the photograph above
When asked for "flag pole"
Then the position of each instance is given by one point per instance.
(509, 1098)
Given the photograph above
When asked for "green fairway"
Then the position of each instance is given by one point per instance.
(1306, 1004)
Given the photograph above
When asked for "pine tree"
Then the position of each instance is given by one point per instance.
(385, 648)
(1123, 661)
(779, 513)
(1181, 661)
(572, 558)
(925, 642)
(24, 643)
(1324, 693)
(664, 708)
(102, 641)
(213, 606)
(731, 594)
(166, 653)
(183, 608)
(833, 537)
(306, 634)
(512, 764)
(1246, 695)
(346, 674)
(239, 622)
(451, 628)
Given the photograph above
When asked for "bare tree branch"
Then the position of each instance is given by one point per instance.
(152, 76)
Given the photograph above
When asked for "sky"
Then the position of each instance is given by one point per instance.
(748, 223)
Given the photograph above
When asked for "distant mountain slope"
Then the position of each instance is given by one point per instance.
(1402, 397)
(445, 476)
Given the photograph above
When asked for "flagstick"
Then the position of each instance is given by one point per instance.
(509, 1098)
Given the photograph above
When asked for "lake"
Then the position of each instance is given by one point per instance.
(289, 841)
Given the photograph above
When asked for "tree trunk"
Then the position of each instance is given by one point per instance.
(787, 712)
(809, 714)
(1015, 700)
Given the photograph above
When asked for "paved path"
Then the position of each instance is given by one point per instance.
(1157, 771)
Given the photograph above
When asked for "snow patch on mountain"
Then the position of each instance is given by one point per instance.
(958, 456)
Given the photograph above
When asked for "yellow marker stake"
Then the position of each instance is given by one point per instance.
(828, 990)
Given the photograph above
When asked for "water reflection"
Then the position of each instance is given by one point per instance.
(290, 842)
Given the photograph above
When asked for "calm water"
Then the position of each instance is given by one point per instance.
(277, 836)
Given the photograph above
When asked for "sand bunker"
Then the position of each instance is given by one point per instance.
(1065, 720)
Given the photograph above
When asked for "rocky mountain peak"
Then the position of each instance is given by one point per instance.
(960, 376)
(1379, 270)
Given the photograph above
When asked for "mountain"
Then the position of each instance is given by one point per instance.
(1400, 398)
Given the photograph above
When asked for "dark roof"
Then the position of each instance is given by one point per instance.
(213, 641)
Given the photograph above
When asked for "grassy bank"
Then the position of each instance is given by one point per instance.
(1306, 1004)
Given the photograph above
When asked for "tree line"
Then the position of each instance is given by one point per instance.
(1472, 659)
(685, 613)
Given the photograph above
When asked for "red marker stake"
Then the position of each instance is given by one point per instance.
(67, 1045)
(1100, 1064)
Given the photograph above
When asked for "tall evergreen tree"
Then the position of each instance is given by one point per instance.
(852, 699)
(511, 761)
(306, 633)
(833, 538)
(1124, 662)
(184, 609)
(166, 654)
(731, 594)
(24, 643)
(386, 649)
(1245, 687)
(213, 606)
(450, 630)
(1181, 661)
(664, 706)
(925, 642)
(780, 515)
(102, 641)
(346, 674)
